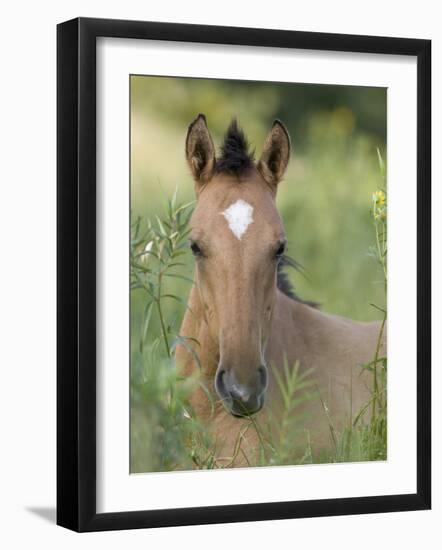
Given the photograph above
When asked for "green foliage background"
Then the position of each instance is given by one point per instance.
(325, 198)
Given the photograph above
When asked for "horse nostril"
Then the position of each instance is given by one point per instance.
(220, 383)
(263, 376)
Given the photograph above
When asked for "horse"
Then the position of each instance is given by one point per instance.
(247, 322)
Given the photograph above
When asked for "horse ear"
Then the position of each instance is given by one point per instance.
(200, 151)
(275, 155)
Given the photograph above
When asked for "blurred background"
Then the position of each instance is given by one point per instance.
(325, 198)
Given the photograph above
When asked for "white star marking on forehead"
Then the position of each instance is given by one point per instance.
(239, 217)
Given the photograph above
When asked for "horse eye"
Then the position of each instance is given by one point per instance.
(196, 250)
(280, 252)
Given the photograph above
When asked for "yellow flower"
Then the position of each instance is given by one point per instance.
(379, 198)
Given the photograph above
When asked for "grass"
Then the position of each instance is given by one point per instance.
(165, 432)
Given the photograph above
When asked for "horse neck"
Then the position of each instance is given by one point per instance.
(294, 327)
(318, 339)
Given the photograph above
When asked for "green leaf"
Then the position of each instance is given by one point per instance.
(176, 276)
(177, 253)
(173, 201)
(163, 232)
(381, 163)
(183, 341)
(173, 297)
(185, 206)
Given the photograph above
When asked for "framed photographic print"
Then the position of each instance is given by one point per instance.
(239, 336)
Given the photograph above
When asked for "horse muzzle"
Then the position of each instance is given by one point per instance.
(241, 398)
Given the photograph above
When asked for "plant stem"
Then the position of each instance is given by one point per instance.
(161, 317)
(375, 365)
(380, 253)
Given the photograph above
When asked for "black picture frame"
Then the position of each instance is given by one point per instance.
(76, 273)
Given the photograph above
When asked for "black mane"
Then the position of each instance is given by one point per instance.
(284, 284)
(235, 157)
